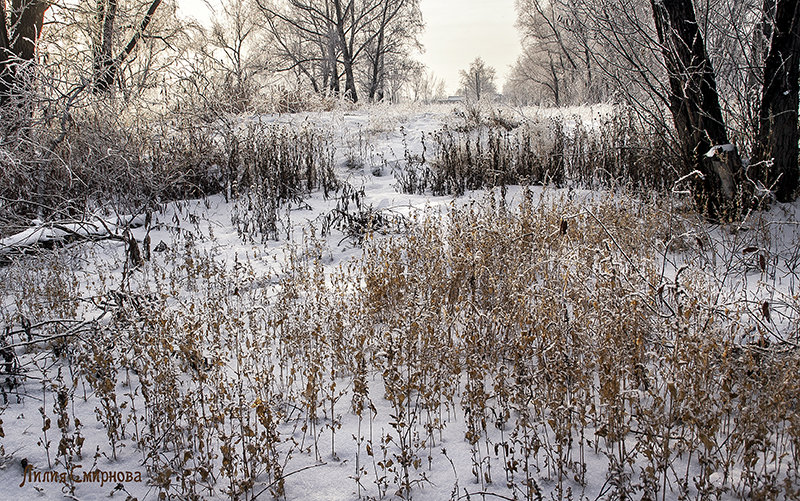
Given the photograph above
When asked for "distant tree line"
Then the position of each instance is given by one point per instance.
(719, 80)
(358, 49)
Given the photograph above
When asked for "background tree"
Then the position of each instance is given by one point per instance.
(234, 47)
(426, 86)
(327, 41)
(550, 57)
(316, 36)
(394, 33)
(304, 42)
(478, 81)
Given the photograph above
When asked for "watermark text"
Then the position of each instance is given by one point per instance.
(32, 476)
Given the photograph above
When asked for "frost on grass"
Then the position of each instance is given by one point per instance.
(518, 344)
(541, 348)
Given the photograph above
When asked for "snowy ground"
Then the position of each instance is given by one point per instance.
(343, 456)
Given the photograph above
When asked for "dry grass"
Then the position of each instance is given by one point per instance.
(556, 330)
(497, 150)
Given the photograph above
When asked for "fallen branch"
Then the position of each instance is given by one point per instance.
(76, 330)
(58, 233)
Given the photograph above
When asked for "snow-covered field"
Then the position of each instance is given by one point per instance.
(523, 343)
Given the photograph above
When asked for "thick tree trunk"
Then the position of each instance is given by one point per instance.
(108, 67)
(333, 85)
(350, 81)
(777, 131)
(18, 46)
(27, 17)
(347, 50)
(6, 79)
(695, 108)
(331, 66)
(103, 57)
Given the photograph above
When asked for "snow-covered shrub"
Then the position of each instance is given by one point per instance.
(107, 158)
(357, 219)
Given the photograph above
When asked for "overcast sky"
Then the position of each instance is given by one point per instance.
(456, 32)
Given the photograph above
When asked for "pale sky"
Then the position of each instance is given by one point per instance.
(456, 32)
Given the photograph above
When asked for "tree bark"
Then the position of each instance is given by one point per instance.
(346, 48)
(18, 46)
(108, 66)
(377, 70)
(103, 57)
(331, 65)
(777, 133)
(695, 108)
(27, 17)
(555, 87)
(6, 80)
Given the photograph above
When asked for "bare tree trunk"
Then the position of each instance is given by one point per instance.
(590, 91)
(334, 77)
(377, 70)
(346, 48)
(108, 67)
(103, 57)
(334, 85)
(18, 46)
(376, 75)
(777, 132)
(381, 88)
(695, 108)
(27, 17)
(331, 64)
(6, 78)
(555, 88)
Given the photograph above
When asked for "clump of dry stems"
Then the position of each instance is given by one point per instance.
(560, 335)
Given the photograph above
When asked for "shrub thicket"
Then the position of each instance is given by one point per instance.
(614, 151)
